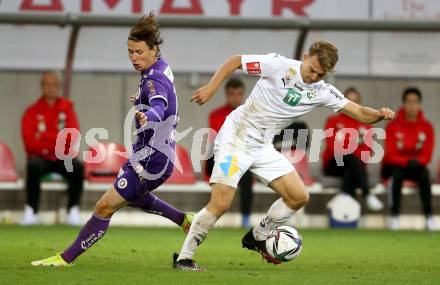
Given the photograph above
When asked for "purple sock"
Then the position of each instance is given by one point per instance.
(92, 231)
(151, 204)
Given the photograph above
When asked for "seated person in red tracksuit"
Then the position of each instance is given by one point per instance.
(353, 172)
(40, 124)
(408, 151)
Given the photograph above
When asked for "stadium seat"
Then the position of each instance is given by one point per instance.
(106, 170)
(438, 171)
(187, 175)
(8, 173)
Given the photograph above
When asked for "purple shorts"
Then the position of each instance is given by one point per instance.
(131, 186)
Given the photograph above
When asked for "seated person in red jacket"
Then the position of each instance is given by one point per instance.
(235, 96)
(408, 151)
(40, 124)
(353, 172)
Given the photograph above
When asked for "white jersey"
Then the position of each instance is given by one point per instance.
(279, 96)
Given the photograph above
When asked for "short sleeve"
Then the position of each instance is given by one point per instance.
(156, 89)
(333, 98)
(262, 65)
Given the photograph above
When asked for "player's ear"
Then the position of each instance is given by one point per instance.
(305, 57)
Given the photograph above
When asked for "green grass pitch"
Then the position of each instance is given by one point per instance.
(143, 256)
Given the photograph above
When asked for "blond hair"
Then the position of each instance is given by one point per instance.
(326, 52)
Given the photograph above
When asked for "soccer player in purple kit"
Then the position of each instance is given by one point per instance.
(152, 160)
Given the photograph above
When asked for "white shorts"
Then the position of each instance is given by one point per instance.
(232, 161)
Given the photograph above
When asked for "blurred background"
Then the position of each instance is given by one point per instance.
(384, 47)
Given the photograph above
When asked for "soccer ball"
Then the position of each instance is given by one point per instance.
(284, 243)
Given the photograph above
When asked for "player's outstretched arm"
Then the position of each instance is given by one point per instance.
(367, 115)
(203, 94)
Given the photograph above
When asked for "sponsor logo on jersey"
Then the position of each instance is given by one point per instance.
(229, 167)
(253, 67)
(293, 97)
(336, 94)
(122, 183)
(151, 87)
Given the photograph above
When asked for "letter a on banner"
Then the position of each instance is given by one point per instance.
(86, 5)
(235, 6)
(296, 6)
(194, 9)
(53, 6)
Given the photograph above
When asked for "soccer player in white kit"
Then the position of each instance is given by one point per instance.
(286, 89)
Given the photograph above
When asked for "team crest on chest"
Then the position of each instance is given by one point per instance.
(288, 76)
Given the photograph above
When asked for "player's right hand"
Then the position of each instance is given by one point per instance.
(202, 95)
(141, 117)
(386, 113)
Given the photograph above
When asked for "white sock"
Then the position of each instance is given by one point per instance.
(278, 214)
(201, 224)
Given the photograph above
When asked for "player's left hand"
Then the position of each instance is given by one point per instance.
(141, 118)
(386, 113)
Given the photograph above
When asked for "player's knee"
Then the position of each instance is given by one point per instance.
(297, 201)
(304, 198)
(224, 207)
(219, 207)
(103, 209)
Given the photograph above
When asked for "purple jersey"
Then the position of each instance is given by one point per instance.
(154, 148)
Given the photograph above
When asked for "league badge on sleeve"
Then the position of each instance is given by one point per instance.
(253, 68)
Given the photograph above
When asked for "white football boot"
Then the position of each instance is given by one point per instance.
(394, 223)
(73, 217)
(29, 217)
(373, 203)
(431, 225)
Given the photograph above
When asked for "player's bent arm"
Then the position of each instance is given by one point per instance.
(204, 93)
(367, 115)
(226, 69)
